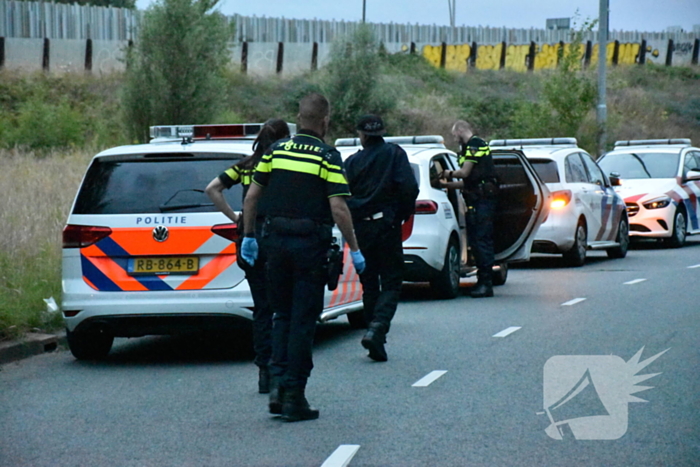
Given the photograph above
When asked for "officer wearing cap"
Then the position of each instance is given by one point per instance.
(305, 190)
(479, 183)
(384, 192)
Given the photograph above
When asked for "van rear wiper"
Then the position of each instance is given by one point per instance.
(175, 207)
(165, 208)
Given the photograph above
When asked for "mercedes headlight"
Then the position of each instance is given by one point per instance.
(657, 203)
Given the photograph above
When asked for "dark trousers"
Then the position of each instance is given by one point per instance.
(480, 213)
(262, 315)
(380, 243)
(296, 280)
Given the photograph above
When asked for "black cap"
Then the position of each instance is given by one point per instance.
(371, 125)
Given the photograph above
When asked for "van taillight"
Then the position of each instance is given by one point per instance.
(426, 207)
(228, 231)
(80, 236)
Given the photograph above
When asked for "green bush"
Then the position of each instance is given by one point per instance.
(353, 84)
(175, 73)
(40, 124)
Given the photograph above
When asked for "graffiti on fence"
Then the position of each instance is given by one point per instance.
(547, 56)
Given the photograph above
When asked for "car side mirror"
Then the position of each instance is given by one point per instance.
(692, 175)
(615, 179)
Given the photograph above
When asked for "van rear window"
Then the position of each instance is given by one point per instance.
(147, 186)
(546, 169)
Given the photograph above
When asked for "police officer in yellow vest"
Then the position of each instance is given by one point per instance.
(305, 190)
(479, 184)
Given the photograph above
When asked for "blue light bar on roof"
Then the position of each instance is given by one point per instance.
(653, 142)
(534, 142)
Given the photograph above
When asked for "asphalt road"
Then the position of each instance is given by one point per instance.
(192, 401)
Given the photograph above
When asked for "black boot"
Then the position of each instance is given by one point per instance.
(482, 289)
(295, 407)
(374, 341)
(264, 380)
(276, 397)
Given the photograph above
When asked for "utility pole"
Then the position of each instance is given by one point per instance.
(364, 9)
(451, 5)
(602, 63)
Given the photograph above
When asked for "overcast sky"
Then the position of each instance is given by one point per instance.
(628, 15)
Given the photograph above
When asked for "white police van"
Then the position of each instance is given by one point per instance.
(146, 252)
(435, 239)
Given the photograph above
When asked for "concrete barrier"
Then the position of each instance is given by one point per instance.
(67, 55)
(108, 56)
(23, 54)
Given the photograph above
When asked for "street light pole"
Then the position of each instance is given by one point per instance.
(364, 9)
(602, 63)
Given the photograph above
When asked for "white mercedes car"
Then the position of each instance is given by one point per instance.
(435, 238)
(660, 182)
(585, 212)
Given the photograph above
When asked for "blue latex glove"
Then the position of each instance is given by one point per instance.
(358, 261)
(249, 250)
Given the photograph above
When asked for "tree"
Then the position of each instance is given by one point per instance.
(568, 96)
(175, 72)
(352, 84)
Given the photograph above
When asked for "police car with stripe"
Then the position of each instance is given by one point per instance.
(585, 211)
(660, 185)
(435, 243)
(146, 252)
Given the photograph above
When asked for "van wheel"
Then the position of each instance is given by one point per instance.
(357, 319)
(576, 256)
(446, 283)
(501, 275)
(623, 238)
(94, 344)
(677, 238)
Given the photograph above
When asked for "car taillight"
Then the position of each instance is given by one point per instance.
(80, 236)
(425, 206)
(560, 199)
(407, 229)
(228, 231)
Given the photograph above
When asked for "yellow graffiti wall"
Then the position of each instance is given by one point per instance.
(488, 57)
(546, 55)
(516, 57)
(456, 57)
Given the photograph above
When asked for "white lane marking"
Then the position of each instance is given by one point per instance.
(573, 302)
(635, 281)
(694, 266)
(507, 331)
(429, 378)
(342, 456)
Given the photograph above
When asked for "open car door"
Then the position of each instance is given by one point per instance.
(523, 205)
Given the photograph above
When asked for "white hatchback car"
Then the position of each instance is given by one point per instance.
(146, 252)
(660, 185)
(435, 242)
(585, 212)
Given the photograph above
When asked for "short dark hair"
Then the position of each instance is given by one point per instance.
(313, 108)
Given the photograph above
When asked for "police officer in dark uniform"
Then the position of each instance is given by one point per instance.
(384, 192)
(480, 188)
(305, 190)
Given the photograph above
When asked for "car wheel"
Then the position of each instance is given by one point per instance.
(500, 275)
(357, 319)
(446, 283)
(576, 256)
(677, 238)
(623, 238)
(94, 344)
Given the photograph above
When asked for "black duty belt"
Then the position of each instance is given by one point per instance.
(374, 217)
